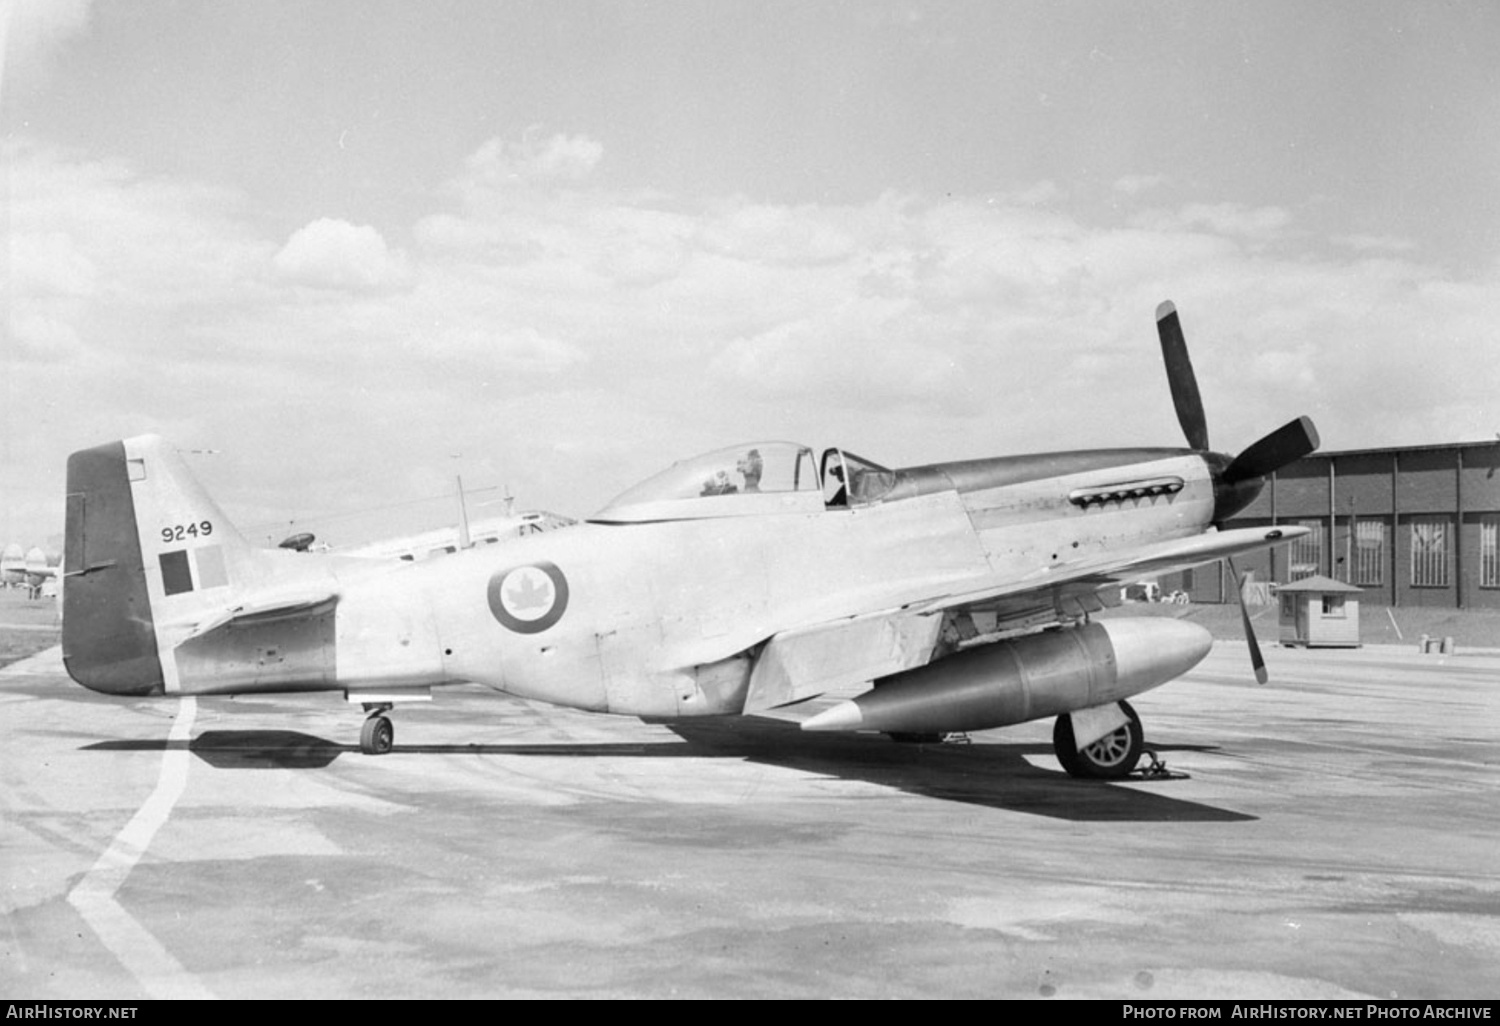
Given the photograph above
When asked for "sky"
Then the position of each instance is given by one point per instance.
(340, 252)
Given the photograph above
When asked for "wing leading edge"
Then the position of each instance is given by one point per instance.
(805, 662)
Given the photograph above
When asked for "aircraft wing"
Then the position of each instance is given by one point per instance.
(808, 661)
(1123, 565)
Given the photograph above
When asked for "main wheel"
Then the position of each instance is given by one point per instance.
(1111, 757)
(377, 736)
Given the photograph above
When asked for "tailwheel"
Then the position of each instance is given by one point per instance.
(377, 735)
(1111, 757)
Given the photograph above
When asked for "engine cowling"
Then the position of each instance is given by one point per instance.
(1025, 679)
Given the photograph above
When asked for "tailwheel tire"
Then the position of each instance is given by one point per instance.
(1111, 757)
(377, 736)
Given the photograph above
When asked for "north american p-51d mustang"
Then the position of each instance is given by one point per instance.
(746, 581)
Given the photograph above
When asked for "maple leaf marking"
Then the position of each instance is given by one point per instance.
(532, 594)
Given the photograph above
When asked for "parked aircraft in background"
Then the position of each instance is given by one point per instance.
(34, 568)
(442, 541)
(13, 565)
(413, 548)
(747, 580)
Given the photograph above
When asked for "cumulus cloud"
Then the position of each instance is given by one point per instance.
(50, 263)
(908, 327)
(788, 235)
(99, 228)
(557, 158)
(334, 254)
(1230, 219)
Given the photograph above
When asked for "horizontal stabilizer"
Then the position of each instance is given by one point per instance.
(265, 609)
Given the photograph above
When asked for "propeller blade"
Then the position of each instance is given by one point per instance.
(1286, 444)
(1180, 377)
(1257, 661)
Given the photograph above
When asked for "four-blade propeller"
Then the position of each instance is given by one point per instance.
(1237, 479)
(1286, 444)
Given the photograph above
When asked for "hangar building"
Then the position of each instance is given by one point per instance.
(1413, 526)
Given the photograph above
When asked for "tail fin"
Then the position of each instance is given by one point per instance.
(144, 546)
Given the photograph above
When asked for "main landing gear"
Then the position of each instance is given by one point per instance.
(377, 735)
(1112, 757)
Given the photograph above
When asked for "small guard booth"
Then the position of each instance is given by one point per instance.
(1319, 612)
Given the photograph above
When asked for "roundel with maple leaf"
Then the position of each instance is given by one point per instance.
(529, 598)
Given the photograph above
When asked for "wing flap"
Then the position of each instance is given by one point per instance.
(800, 664)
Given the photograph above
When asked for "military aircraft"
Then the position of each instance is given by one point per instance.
(448, 540)
(34, 568)
(745, 581)
(13, 565)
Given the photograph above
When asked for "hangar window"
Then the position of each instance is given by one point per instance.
(1307, 551)
(1369, 552)
(1489, 552)
(1429, 553)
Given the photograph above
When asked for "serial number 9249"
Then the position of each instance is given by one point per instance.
(181, 532)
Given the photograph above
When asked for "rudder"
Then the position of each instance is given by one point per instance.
(144, 545)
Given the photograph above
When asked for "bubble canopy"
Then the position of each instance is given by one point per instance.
(743, 480)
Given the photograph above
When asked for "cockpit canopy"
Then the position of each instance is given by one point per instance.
(750, 480)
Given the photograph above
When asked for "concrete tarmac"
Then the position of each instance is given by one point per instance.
(1334, 834)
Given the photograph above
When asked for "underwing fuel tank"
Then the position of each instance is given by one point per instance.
(1025, 679)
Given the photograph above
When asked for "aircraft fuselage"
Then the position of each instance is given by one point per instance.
(660, 618)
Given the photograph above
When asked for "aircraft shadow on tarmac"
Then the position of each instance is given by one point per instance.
(995, 776)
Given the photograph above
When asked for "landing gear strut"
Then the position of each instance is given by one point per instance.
(377, 735)
(1112, 757)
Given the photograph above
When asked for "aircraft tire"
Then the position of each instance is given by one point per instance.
(377, 736)
(1112, 757)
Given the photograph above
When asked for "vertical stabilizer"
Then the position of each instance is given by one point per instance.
(145, 547)
(108, 637)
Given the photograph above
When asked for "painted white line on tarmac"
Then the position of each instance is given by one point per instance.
(46, 661)
(142, 954)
